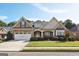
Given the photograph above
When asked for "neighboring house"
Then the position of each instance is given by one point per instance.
(75, 31)
(3, 32)
(25, 29)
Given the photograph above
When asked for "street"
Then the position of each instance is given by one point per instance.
(39, 53)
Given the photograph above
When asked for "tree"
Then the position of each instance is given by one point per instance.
(73, 25)
(11, 23)
(68, 24)
(61, 22)
(2, 23)
(9, 36)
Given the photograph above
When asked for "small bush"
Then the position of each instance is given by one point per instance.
(53, 38)
(61, 38)
(32, 39)
(36, 39)
(40, 39)
(46, 38)
(58, 38)
(71, 39)
(50, 38)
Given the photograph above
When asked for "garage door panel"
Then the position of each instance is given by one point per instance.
(22, 37)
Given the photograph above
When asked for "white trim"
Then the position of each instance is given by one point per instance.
(53, 32)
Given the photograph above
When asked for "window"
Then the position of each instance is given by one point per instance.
(24, 33)
(59, 32)
(22, 24)
(16, 32)
(20, 32)
(47, 33)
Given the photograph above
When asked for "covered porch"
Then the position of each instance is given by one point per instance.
(44, 33)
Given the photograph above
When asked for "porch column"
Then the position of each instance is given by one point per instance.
(54, 34)
(42, 34)
(32, 34)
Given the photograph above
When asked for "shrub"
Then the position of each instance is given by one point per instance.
(9, 36)
(50, 38)
(53, 38)
(62, 38)
(71, 39)
(39, 39)
(66, 38)
(32, 38)
(46, 38)
(36, 39)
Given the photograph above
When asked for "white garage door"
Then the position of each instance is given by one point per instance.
(22, 37)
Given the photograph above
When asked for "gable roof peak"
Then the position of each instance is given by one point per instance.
(54, 18)
(23, 18)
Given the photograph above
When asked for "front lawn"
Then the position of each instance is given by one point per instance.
(52, 44)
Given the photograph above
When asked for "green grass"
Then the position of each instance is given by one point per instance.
(53, 44)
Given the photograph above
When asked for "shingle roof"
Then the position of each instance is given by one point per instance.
(8, 28)
(39, 24)
(51, 24)
(4, 30)
(54, 24)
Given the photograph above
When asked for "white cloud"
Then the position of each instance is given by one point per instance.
(45, 9)
(35, 19)
(3, 17)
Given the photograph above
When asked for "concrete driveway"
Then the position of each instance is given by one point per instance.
(12, 45)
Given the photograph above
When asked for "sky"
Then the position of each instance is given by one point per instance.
(43, 11)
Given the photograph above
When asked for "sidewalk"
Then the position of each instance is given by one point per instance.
(51, 47)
